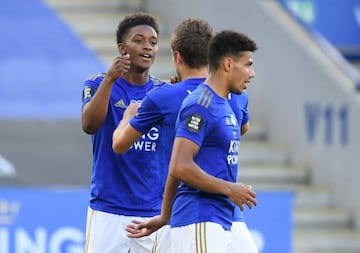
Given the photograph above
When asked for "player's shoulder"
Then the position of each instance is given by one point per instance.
(160, 86)
(203, 96)
(157, 81)
(92, 83)
(95, 77)
(205, 101)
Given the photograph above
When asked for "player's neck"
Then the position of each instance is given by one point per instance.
(217, 82)
(187, 73)
(137, 78)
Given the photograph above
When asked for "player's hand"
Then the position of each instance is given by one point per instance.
(131, 110)
(143, 228)
(242, 194)
(174, 79)
(119, 66)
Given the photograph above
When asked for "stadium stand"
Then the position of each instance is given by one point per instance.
(42, 63)
(336, 27)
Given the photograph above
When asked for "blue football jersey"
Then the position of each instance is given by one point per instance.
(209, 121)
(239, 104)
(120, 183)
(160, 107)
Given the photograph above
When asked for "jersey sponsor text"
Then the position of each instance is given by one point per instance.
(148, 141)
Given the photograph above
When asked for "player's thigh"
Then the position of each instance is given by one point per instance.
(140, 245)
(162, 240)
(206, 237)
(242, 238)
(105, 233)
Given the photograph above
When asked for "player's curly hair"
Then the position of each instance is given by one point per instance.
(228, 43)
(191, 38)
(139, 18)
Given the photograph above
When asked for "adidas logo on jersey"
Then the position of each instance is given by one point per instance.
(230, 121)
(120, 103)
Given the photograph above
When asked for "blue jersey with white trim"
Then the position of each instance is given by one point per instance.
(239, 104)
(120, 183)
(161, 107)
(208, 120)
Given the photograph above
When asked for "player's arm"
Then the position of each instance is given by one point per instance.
(182, 163)
(183, 168)
(94, 112)
(130, 130)
(125, 135)
(140, 229)
(244, 128)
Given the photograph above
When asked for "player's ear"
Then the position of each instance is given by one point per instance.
(122, 48)
(178, 57)
(227, 63)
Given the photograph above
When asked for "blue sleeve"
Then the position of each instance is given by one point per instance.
(194, 123)
(149, 115)
(246, 114)
(239, 105)
(90, 86)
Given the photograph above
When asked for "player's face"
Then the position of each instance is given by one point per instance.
(141, 43)
(242, 73)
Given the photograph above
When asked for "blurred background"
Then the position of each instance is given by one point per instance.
(301, 153)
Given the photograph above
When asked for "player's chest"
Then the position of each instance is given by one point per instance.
(225, 132)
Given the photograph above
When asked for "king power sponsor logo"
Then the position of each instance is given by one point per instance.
(233, 156)
(148, 141)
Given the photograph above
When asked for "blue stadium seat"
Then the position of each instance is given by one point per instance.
(42, 63)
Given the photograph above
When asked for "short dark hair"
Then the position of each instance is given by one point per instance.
(228, 43)
(139, 18)
(191, 38)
